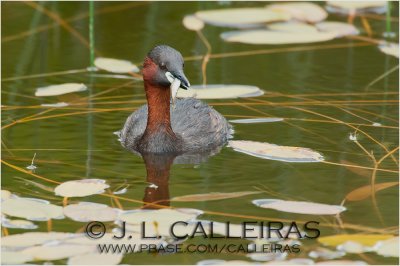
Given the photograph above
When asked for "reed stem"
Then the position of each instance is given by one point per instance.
(388, 11)
(91, 33)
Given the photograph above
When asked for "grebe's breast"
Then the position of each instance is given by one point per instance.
(198, 126)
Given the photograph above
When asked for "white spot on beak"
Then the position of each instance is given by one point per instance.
(170, 77)
(174, 90)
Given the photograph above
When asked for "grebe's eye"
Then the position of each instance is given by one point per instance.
(162, 65)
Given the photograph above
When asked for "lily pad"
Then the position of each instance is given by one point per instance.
(88, 211)
(220, 91)
(57, 251)
(388, 247)
(262, 36)
(115, 65)
(20, 224)
(292, 26)
(158, 216)
(159, 222)
(241, 17)
(267, 256)
(291, 262)
(32, 238)
(352, 247)
(60, 89)
(31, 209)
(81, 188)
(352, 7)
(213, 196)
(224, 262)
(301, 207)
(5, 194)
(342, 262)
(256, 120)
(340, 29)
(14, 257)
(274, 152)
(390, 49)
(192, 22)
(326, 254)
(136, 239)
(95, 259)
(302, 11)
(364, 239)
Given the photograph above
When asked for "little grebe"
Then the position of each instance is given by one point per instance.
(188, 126)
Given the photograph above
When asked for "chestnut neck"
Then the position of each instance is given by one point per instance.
(158, 101)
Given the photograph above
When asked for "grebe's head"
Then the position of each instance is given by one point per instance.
(164, 66)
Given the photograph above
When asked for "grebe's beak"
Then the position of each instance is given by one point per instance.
(171, 76)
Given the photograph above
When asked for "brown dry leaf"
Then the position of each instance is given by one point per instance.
(213, 196)
(359, 171)
(365, 191)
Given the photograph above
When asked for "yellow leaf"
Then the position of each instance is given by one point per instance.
(365, 191)
(213, 196)
(366, 240)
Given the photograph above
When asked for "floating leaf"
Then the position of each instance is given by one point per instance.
(365, 191)
(220, 91)
(159, 216)
(359, 171)
(62, 104)
(224, 262)
(32, 209)
(390, 49)
(65, 88)
(267, 256)
(262, 36)
(352, 247)
(121, 191)
(108, 238)
(340, 29)
(325, 253)
(241, 17)
(213, 196)
(292, 26)
(364, 239)
(159, 222)
(342, 262)
(5, 194)
(192, 23)
(81, 188)
(256, 120)
(307, 12)
(301, 207)
(32, 238)
(274, 152)
(352, 7)
(96, 259)
(14, 257)
(388, 247)
(57, 251)
(88, 211)
(20, 224)
(115, 65)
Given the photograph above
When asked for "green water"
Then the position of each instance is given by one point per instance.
(329, 79)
